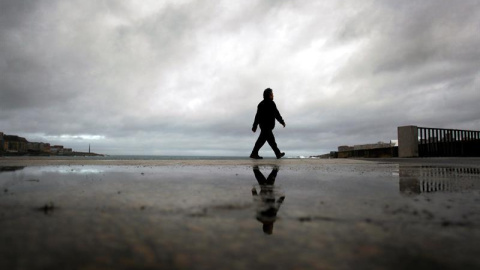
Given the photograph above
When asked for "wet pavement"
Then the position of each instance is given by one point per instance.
(272, 215)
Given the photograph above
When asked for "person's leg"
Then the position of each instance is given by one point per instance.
(271, 177)
(271, 141)
(260, 142)
(259, 176)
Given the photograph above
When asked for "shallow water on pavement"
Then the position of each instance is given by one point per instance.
(360, 216)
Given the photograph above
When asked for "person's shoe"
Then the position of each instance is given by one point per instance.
(281, 155)
(256, 156)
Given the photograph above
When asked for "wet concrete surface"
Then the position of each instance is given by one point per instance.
(272, 215)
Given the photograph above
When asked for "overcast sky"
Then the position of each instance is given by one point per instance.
(185, 77)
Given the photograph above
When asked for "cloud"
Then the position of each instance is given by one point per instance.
(185, 77)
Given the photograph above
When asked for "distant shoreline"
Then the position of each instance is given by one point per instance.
(46, 154)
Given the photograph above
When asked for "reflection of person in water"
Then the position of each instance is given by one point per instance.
(268, 205)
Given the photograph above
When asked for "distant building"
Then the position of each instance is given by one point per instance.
(35, 146)
(38, 147)
(344, 148)
(379, 149)
(56, 149)
(47, 147)
(2, 142)
(14, 144)
(372, 146)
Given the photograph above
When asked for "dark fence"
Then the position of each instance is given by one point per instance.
(438, 142)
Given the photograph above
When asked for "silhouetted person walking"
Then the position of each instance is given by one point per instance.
(267, 112)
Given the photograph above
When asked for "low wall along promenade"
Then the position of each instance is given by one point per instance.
(416, 141)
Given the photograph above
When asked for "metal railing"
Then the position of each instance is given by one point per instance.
(439, 142)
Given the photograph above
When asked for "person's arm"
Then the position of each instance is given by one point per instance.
(279, 202)
(278, 116)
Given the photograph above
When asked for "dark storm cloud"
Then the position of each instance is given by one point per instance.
(175, 77)
(417, 63)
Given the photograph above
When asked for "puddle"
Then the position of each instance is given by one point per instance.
(197, 217)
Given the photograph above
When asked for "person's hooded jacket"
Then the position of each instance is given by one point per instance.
(267, 112)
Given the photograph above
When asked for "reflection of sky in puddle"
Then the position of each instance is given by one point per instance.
(316, 213)
(53, 169)
(71, 170)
